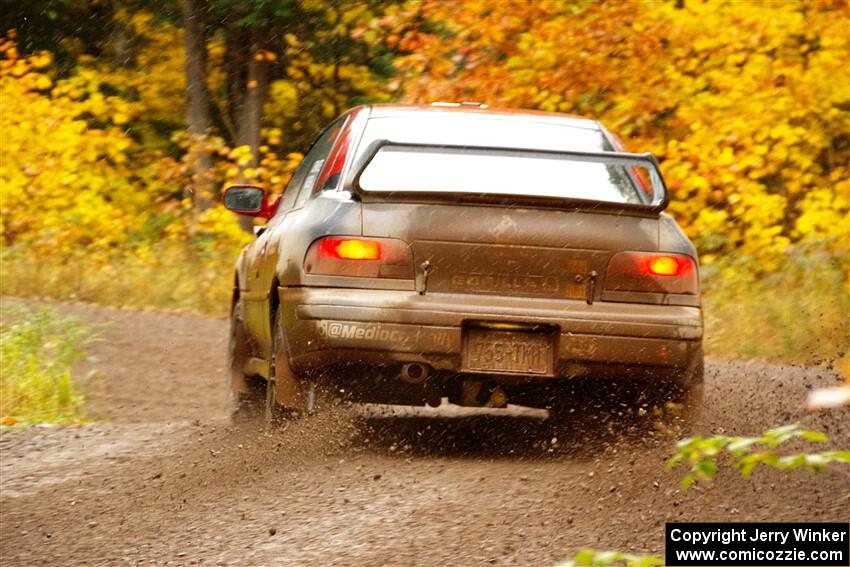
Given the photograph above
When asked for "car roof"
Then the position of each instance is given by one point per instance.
(473, 109)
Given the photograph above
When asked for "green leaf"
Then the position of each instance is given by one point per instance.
(815, 436)
(816, 461)
(741, 444)
(584, 557)
(646, 561)
(604, 558)
(792, 461)
(708, 468)
(840, 456)
(687, 481)
(747, 464)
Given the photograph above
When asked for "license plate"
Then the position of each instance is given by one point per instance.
(507, 352)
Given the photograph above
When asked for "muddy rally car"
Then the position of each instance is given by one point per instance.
(452, 251)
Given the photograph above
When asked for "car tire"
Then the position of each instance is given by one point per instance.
(247, 393)
(689, 393)
(282, 379)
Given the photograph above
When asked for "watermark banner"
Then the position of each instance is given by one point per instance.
(757, 544)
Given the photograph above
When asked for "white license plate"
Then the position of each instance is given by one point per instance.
(507, 352)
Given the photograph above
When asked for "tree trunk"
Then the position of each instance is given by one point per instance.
(197, 104)
(256, 85)
(235, 64)
(251, 116)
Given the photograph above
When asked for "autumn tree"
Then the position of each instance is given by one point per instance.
(746, 103)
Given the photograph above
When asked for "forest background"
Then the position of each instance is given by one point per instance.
(121, 121)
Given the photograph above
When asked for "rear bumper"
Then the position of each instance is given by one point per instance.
(333, 325)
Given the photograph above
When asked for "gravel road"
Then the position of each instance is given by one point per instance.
(161, 477)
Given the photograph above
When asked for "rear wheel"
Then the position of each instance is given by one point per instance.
(285, 395)
(276, 414)
(688, 393)
(247, 392)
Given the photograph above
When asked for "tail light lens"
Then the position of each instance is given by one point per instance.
(349, 249)
(359, 257)
(659, 273)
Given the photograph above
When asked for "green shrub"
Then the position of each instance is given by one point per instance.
(700, 454)
(38, 348)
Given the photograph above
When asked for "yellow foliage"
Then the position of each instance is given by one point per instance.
(747, 104)
(74, 180)
(65, 184)
(161, 86)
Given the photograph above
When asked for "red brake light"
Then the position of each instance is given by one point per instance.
(359, 257)
(650, 272)
(350, 249)
(666, 265)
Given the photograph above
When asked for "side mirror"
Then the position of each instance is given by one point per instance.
(248, 200)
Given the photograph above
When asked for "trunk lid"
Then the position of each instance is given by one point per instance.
(522, 252)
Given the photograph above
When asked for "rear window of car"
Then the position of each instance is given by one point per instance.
(497, 172)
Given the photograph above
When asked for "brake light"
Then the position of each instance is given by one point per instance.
(350, 249)
(359, 257)
(666, 266)
(650, 272)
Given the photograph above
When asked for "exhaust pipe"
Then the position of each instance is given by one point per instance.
(414, 373)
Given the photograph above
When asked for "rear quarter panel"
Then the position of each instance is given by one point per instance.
(671, 238)
(281, 254)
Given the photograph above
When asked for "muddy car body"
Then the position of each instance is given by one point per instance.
(430, 251)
